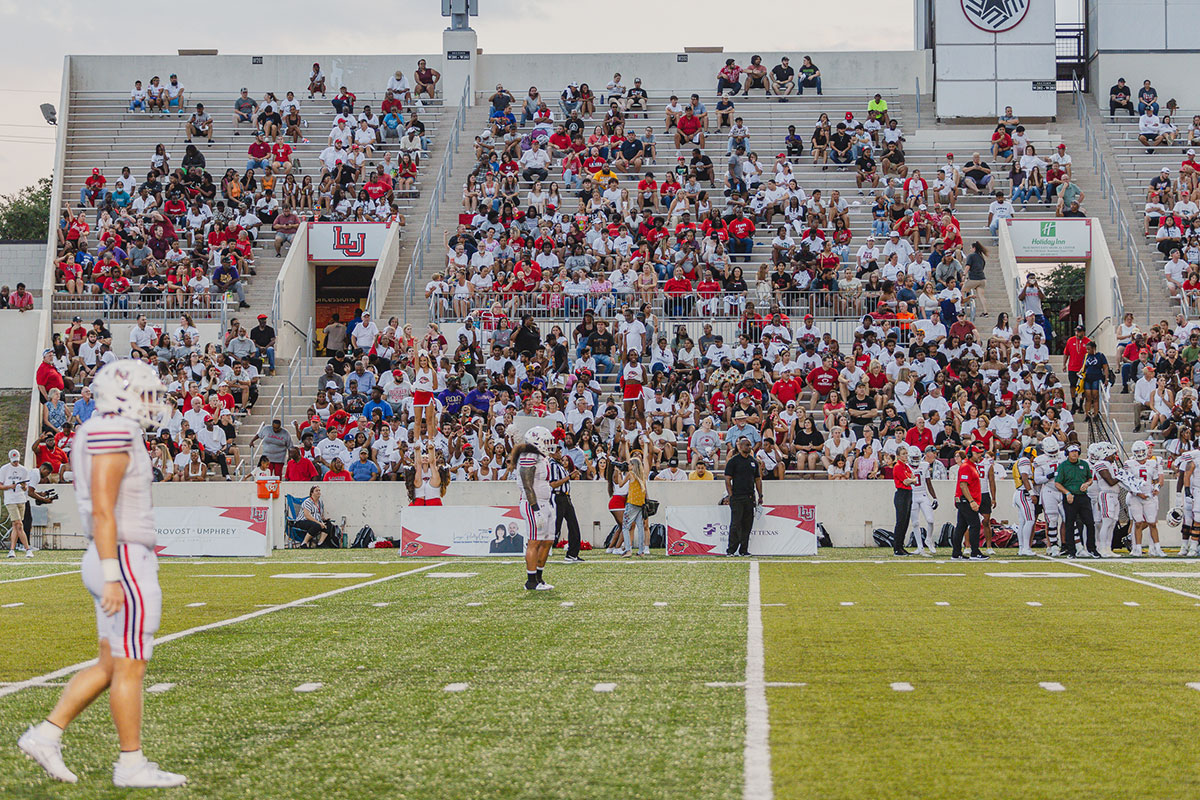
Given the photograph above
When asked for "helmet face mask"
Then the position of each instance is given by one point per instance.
(1175, 517)
(1050, 445)
(540, 437)
(1140, 450)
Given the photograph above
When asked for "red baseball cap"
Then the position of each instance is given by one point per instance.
(949, 155)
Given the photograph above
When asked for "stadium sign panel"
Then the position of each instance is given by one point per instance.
(346, 242)
(211, 531)
(462, 531)
(777, 531)
(995, 16)
(1051, 238)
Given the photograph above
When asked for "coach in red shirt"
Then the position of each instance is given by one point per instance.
(1073, 355)
(904, 479)
(967, 497)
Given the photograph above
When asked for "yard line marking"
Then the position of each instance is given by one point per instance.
(237, 575)
(604, 687)
(456, 687)
(773, 605)
(159, 688)
(935, 574)
(941, 603)
(1144, 575)
(567, 604)
(1132, 579)
(41, 577)
(304, 576)
(196, 605)
(308, 687)
(41, 680)
(902, 686)
(1052, 686)
(783, 684)
(659, 604)
(381, 605)
(726, 684)
(40, 685)
(1131, 603)
(1034, 603)
(472, 605)
(847, 603)
(1195, 686)
(452, 575)
(757, 755)
(12, 605)
(1036, 574)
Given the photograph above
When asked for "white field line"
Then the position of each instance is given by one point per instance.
(41, 577)
(1132, 579)
(72, 669)
(902, 686)
(1052, 686)
(757, 756)
(604, 688)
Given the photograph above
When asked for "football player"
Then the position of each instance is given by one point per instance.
(1045, 466)
(537, 503)
(120, 570)
(1105, 488)
(924, 502)
(1189, 484)
(1023, 500)
(1143, 508)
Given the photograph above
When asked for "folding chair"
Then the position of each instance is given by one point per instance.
(292, 535)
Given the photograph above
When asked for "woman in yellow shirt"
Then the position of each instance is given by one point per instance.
(633, 525)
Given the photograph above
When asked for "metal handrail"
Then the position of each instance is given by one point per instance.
(416, 262)
(918, 99)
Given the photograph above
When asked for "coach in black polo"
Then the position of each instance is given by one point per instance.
(743, 481)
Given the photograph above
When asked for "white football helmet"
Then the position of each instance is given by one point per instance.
(540, 437)
(1100, 451)
(131, 389)
(1175, 517)
(1050, 446)
(1139, 450)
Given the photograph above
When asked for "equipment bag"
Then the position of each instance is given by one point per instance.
(364, 537)
(658, 535)
(1003, 536)
(882, 537)
(946, 537)
(823, 539)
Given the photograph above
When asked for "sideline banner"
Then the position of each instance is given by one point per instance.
(462, 531)
(777, 531)
(211, 530)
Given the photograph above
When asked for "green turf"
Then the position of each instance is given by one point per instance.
(976, 725)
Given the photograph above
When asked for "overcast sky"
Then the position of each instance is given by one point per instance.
(34, 37)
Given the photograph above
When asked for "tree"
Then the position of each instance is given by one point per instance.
(26, 214)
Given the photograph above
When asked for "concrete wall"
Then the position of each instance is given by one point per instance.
(1170, 73)
(19, 360)
(385, 271)
(1139, 39)
(1102, 302)
(296, 287)
(22, 263)
(849, 510)
(979, 73)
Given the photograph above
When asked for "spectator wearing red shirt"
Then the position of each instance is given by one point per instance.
(338, 472)
(823, 380)
(688, 129)
(21, 300)
(1131, 355)
(259, 152)
(787, 389)
(967, 497)
(741, 236)
(1074, 353)
(903, 477)
(299, 468)
(919, 436)
(678, 290)
(93, 189)
(48, 377)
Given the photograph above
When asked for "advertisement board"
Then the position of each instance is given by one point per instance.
(1051, 239)
(346, 242)
(462, 531)
(777, 531)
(211, 531)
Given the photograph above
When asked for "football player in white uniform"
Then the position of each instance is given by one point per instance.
(1045, 466)
(1143, 509)
(1106, 504)
(1024, 501)
(120, 570)
(924, 503)
(1189, 484)
(537, 502)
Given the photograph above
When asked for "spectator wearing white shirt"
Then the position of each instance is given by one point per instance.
(934, 330)
(901, 247)
(1149, 130)
(141, 338)
(535, 162)
(1028, 329)
(366, 332)
(998, 210)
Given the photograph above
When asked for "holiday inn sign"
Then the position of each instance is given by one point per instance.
(1054, 239)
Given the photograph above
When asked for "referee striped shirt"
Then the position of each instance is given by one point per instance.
(557, 473)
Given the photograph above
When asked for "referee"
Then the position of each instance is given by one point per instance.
(560, 485)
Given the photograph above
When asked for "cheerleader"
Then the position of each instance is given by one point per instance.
(633, 378)
(425, 385)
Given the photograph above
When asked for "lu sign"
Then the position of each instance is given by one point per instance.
(995, 16)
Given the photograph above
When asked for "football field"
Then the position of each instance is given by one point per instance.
(363, 674)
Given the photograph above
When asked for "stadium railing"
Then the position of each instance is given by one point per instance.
(156, 310)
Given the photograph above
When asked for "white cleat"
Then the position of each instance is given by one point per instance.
(1054, 551)
(544, 587)
(12, 554)
(1137, 550)
(29, 553)
(1109, 554)
(146, 776)
(46, 753)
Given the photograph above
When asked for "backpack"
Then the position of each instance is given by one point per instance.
(658, 535)
(364, 537)
(946, 537)
(883, 537)
(1003, 536)
(823, 539)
